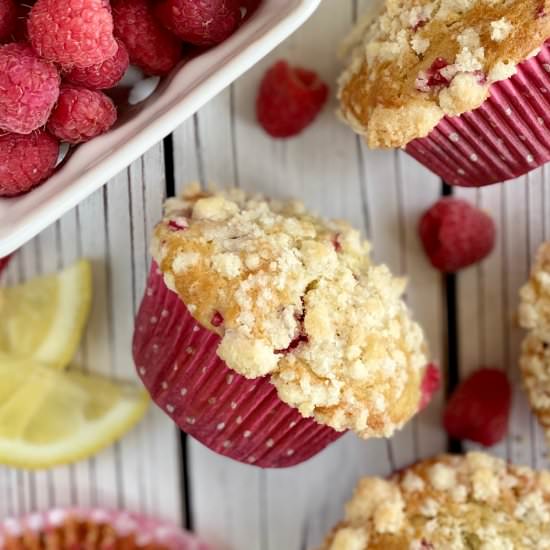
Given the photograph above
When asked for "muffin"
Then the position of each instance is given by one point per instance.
(92, 529)
(266, 332)
(450, 502)
(462, 85)
(534, 316)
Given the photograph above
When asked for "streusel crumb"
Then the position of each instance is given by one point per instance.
(534, 315)
(459, 502)
(534, 309)
(297, 298)
(420, 60)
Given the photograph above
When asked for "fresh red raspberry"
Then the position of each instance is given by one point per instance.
(456, 234)
(289, 99)
(151, 47)
(29, 87)
(479, 408)
(4, 263)
(200, 22)
(103, 76)
(81, 114)
(8, 19)
(430, 384)
(26, 161)
(72, 33)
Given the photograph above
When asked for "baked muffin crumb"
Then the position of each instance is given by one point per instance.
(534, 316)
(420, 60)
(431, 518)
(297, 298)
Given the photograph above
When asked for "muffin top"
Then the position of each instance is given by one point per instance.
(420, 60)
(453, 502)
(297, 298)
(534, 315)
(534, 309)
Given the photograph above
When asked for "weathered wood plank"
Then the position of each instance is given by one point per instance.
(111, 228)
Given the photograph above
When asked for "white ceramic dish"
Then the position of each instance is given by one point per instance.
(91, 165)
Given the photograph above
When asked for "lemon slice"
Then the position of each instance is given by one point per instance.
(50, 417)
(44, 318)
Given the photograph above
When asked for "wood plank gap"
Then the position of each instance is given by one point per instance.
(169, 173)
(529, 259)
(391, 455)
(198, 148)
(112, 339)
(363, 186)
(188, 517)
(264, 512)
(453, 337)
(504, 267)
(233, 127)
(170, 178)
(304, 544)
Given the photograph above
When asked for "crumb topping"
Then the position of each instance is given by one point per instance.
(420, 60)
(501, 507)
(534, 309)
(534, 316)
(297, 298)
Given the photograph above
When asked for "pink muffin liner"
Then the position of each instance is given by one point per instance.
(146, 531)
(506, 137)
(235, 417)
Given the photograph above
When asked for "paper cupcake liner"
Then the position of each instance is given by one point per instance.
(508, 136)
(238, 418)
(65, 528)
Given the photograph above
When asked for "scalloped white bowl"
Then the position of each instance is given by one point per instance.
(92, 164)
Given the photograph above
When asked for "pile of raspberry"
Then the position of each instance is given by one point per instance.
(60, 58)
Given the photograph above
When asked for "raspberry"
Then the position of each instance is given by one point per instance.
(479, 408)
(8, 18)
(289, 99)
(72, 33)
(81, 114)
(29, 87)
(430, 384)
(26, 161)
(150, 46)
(102, 76)
(456, 234)
(200, 22)
(4, 263)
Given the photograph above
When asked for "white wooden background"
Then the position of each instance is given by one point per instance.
(237, 507)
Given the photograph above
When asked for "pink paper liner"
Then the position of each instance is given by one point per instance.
(508, 136)
(235, 417)
(146, 530)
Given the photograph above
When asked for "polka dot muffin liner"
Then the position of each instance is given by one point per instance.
(506, 137)
(235, 417)
(74, 528)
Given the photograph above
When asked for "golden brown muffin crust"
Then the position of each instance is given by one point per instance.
(471, 502)
(423, 59)
(534, 316)
(297, 298)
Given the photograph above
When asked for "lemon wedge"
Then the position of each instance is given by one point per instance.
(44, 318)
(50, 417)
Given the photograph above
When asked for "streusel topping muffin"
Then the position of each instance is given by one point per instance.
(420, 60)
(450, 502)
(534, 315)
(296, 297)
(534, 310)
